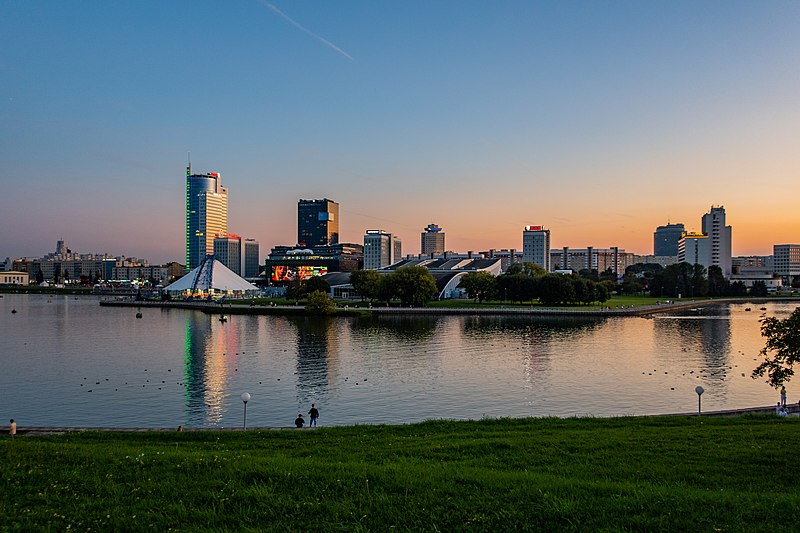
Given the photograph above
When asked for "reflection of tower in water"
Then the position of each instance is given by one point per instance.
(707, 335)
(316, 350)
(205, 368)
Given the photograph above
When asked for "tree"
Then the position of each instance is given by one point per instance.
(318, 303)
(296, 289)
(759, 288)
(737, 288)
(529, 269)
(631, 284)
(387, 287)
(39, 277)
(414, 285)
(317, 283)
(479, 285)
(555, 289)
(366, 283)
(699, 280)
(717, 286)
(782, 349)
(601, 292)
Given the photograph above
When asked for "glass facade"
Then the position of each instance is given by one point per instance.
(206, 215)
(317, 222)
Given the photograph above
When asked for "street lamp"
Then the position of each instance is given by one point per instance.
(245, 399)
(699, 390)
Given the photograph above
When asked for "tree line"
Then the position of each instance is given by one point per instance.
(526, 282)
(686, 280)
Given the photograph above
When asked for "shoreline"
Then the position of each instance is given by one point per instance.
(223, 309)
(793, 409)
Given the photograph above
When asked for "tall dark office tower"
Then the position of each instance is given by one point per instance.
(317, 222)
(665, 239)
(206, 214)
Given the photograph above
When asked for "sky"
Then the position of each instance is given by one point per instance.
(599, 120)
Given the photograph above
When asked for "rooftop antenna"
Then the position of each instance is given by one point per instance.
(189, 161)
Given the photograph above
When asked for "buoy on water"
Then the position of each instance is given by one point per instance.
(138, 315)
(13, 311)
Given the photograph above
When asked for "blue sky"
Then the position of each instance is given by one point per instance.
(599, 120)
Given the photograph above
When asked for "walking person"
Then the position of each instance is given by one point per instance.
(313, 414)
(783, 396)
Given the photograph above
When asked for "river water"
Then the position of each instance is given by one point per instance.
(66, 361)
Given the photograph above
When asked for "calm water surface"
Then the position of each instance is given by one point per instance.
(66, 361)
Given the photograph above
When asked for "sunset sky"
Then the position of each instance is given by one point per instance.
(598, 120)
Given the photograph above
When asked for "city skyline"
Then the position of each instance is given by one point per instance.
(601, 122)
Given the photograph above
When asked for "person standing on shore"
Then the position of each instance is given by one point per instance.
(12, 428)
(313, 414)
(783, 396)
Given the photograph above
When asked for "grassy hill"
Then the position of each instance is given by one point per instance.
(661, 473)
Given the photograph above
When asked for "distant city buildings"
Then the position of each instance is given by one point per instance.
(663, 260)
(65, 266)
(228, 251)
(381, 249)
(694, 248)
(14, 278)
(252, 259)
(507, 257)
(288, 263)
(206, 214)
(712, 247)
(317, 222)
(590, 258)
(666, 239)
(720, 237)
(787, 261)
(536, 246)
(432, 240)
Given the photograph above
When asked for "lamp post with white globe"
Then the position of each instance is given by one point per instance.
(245, 399)
(699, 390)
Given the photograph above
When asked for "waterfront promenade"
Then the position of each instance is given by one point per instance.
(607, 311)
(793, 410)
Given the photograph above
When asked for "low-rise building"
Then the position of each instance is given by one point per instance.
(11, 277)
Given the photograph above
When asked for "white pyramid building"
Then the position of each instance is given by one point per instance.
(211, 278)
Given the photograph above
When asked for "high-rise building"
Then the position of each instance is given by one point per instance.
(787, 261)
(317, 222)
(432, 241)
(720, 236)
(536, 246)
(665, 239)
(695, 248)
(228, 249)
(206, 214)
(381, 249)
(252, 262)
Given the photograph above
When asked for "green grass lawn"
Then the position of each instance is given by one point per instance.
(645, 474)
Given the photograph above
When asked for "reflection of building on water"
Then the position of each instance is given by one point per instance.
(316, 352)
(707, 333)
(206, 367)
(534, 336)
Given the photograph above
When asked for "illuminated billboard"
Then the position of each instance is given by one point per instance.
(291, 272)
